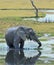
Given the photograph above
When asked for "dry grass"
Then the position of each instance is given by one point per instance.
(22, 4)
(19, 13)
(26, 3)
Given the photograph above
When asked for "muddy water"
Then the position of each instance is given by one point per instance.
(30, 55)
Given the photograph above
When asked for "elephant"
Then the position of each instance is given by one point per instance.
(15, 57)
(15, 36)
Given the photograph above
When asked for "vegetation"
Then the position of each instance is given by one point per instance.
(12, 13)
(19, 13)
(44, 39)
(40, 28)
(45, 64)
(42, 62)
(2, 62)
(22, 7)
(18, 4)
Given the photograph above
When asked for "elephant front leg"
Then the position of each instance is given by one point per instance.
(16, 43)
(21, 44)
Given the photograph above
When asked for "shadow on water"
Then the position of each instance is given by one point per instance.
(14, 57)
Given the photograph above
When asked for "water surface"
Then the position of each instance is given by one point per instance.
(44, 56)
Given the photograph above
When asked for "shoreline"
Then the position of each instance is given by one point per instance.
(26, 9)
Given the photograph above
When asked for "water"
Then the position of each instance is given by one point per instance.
(48, 18)
(47, 11)
(43, 56)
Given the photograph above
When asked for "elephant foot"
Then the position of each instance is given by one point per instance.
(10, 46)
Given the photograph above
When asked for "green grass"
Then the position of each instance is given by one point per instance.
(40, 28)
(43, 39)
(2, 61)
(42, 63)
(1, 35)
(13, 18)
(52, 34)
(45, 64)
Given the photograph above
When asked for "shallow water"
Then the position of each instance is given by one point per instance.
(44, 56)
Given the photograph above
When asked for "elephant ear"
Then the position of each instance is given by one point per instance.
(31, 30)
(21, 34)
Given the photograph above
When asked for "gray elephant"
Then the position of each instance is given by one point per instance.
(16, 36)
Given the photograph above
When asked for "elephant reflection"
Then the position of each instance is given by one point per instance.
(14, 57)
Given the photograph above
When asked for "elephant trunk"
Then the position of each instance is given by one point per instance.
(37, 40)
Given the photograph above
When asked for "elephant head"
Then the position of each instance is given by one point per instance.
(28, 33)
(32, 36)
